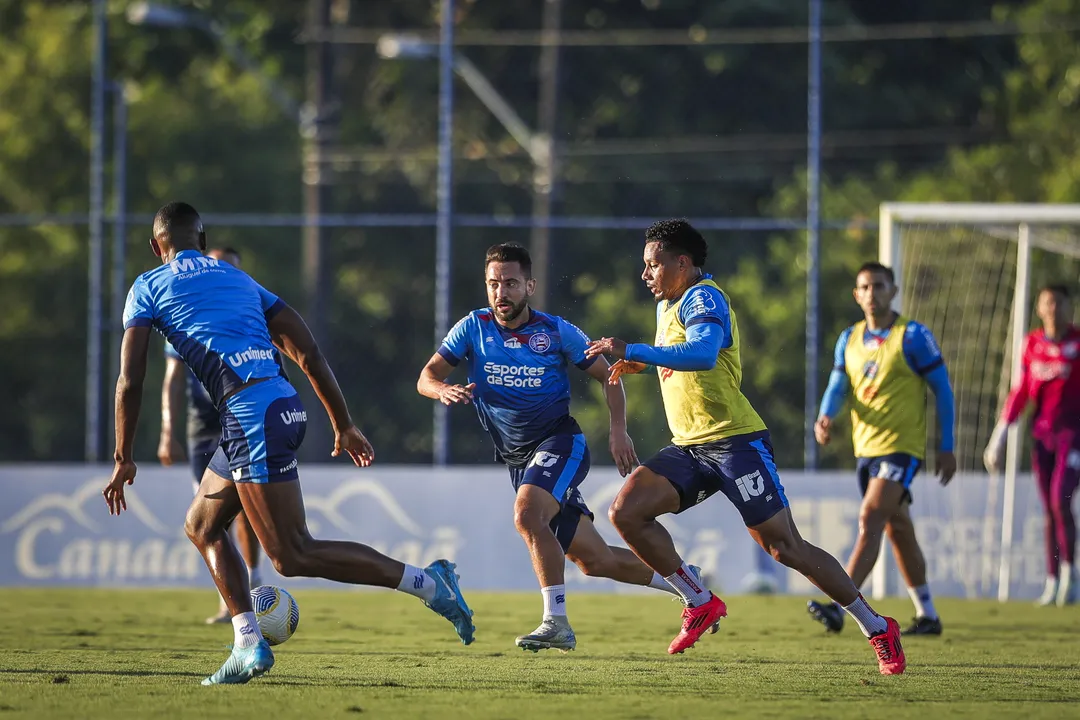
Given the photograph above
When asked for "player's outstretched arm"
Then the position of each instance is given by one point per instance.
(699, 352)
(292, 337)
(1015, 404)
(129, 391)
(170, 449)
(432, 383)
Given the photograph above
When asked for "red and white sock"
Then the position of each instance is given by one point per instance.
(688, 586)
(869, 621)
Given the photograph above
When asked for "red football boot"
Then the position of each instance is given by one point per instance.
(890, 653)
(696, 620)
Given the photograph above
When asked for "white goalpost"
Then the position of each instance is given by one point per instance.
(966, 270)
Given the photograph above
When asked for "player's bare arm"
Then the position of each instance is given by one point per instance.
(129, 391)
(432, 383)
(619, 442)
(292, 337)
(170, 449)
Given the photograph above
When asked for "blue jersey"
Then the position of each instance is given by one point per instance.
(213, 315)
(522, 390)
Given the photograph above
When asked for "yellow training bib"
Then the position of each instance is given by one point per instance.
(888, 405)
(706, 405)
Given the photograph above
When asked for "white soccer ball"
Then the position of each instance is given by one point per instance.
(276, 612)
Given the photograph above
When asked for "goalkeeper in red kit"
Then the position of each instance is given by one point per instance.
(1050, 378)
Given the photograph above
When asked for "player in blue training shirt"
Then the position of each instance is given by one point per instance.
(517, 360)
(203, 439)
(228, 329)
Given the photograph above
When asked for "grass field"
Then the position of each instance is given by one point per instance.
(103, 654)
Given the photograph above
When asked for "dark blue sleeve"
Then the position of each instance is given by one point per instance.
(271, 303)
(456, 344)
(703, 344)
(170, 351)
(921, 349)
(924, 357)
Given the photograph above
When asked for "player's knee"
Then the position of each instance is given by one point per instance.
(287, 563)
(528, 520)
(787, 552)
(594, 564)
(621, 516)
(872, 518)
(198, 528)
(1061, 508)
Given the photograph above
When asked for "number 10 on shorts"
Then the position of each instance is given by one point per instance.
(750, 485)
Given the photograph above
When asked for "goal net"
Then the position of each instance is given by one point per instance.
(970, 272)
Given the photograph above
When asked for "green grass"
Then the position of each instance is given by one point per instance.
(88, 654)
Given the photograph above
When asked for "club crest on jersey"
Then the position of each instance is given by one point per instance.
(870, 369)
(540, 342)
(1069, 350)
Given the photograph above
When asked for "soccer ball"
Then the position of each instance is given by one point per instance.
(276, 612)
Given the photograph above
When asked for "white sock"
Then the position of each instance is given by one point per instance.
(686, 584)
(246, 630)
(415, 581)
(659, 583)
(869, 621)
(554, 600)
(924, 603)
(254, 577)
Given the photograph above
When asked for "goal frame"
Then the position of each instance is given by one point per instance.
(1023, 216)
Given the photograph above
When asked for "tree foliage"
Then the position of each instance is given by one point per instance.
(698, 130)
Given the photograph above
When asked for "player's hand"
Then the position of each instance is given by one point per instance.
(622, 451)
(823, 430)
(994, 455)
(353, 442)
(450, 394)
(614, 347)
(946, 466)
(170, 450)
(624, 367)
(123, 474)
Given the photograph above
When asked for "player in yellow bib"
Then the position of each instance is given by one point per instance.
(887, 361)
(719, 444)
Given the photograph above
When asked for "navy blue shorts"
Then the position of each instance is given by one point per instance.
(261, 430)
(897, 467)
(558, 465)
(741, 467)
(200, 451)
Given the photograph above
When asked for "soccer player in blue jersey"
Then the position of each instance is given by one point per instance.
(517, 361)
(203, 438)
(887, 361)
(228, 329)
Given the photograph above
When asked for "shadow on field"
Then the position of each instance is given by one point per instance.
(59, 674)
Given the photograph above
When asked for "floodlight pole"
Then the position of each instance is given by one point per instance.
(445, 219)
(813, 237)
(96, 247)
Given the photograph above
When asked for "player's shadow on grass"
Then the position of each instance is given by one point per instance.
(125, 673)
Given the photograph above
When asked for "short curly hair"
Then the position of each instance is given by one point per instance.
(679, 237)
